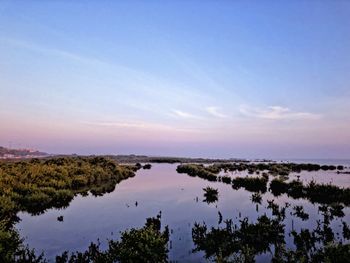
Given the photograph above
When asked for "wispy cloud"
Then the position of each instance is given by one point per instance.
(48, 51)
(137, 125)
(277, 113)
(215, 111)
(114, 75)
(185, 115)
(121, 124)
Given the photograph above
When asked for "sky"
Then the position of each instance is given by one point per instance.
(245, 79)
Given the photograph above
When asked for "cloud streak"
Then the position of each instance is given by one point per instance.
(215, 111)
(277, 113)
(137, 125)
(185, 115)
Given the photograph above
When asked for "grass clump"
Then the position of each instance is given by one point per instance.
(211, 195)
(147, 166)
(198, 170)
(256, 198)
(251, 184)
(226, 179)
(299, 212)
(316, 193)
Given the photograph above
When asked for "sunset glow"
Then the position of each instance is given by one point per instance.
(239, 79)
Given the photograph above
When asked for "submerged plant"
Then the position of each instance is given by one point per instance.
(256, 198)
(147, 166)
(299, 212)
(346, 231)
(280, 213)
(243, 242)
(210, 195)
(336, 210)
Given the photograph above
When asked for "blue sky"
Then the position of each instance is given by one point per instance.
(190, 78)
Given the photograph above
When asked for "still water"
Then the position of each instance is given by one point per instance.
(180, 199)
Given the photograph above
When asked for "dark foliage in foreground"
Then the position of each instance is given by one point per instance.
(299, 212)
(147, 244)
(12, 248)
(244, 241)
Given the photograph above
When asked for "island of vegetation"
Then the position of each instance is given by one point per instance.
(316, 193)
(38, 184)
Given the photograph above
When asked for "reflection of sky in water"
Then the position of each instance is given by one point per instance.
(159, 189)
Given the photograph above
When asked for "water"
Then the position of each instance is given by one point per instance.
(178, 196)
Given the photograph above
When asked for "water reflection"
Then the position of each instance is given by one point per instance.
(161, 188)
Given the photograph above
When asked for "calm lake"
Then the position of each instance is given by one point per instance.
(179, 197)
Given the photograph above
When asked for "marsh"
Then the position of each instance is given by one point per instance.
(161, 189)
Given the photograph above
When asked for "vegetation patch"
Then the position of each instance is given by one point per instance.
(316, 193)
(36, 185)
(299, 212)
(147, 244)
(198, 170)
(251, 184)
(256, 198)
(273, 168)
(242, 241)
(147, 166)
(211, 195)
